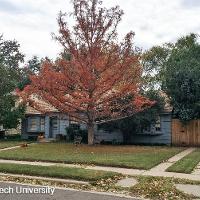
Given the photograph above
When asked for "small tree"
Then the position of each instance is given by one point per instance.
(99, 80)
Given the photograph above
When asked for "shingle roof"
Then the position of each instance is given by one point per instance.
(31, 110)
(45, 107)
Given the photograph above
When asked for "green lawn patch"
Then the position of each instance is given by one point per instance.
(56, 171)
(186, 164)
(140, 157)
(5, 143)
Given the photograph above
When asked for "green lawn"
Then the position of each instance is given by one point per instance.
(186, 164)
(122, 156)
(5, 143)
(56, 171)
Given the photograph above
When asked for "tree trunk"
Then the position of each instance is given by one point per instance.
(90, 134)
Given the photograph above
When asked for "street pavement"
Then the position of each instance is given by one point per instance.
(59, 194)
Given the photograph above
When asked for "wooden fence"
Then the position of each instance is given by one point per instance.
(186, 134)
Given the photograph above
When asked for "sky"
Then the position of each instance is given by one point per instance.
(154, 22)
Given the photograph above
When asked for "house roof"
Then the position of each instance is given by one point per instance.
(31, 110)
(49, 108)
(45, 107)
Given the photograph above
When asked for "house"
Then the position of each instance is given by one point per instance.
(165, 131)
(53, 124)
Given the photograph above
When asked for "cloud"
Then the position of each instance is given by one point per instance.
(17, 7)
(7, 6)
(157, 21)
(31, 23)
(190, 3)
(154, 22)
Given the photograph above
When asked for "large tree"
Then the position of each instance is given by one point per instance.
(99, 80)
(175, 68)
(153, 61)
(182, 78)
(10, 59)
(10, 55)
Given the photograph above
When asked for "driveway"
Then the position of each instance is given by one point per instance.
(59, 194)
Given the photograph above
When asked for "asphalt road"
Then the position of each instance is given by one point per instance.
(59, 194)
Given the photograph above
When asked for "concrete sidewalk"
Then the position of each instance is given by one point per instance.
(196, 170)
(15, 147)
(9, 148)
(163, 166)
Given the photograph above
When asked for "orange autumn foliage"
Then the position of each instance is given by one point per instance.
(98, 78)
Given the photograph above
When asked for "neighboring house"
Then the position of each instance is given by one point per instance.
(13, 131)
(2, 132)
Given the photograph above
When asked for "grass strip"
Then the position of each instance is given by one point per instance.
(56, 172)
(186, 164)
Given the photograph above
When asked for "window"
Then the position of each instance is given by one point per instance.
(144, 129)
(33, 124)
(54, 122)
(158, 124)
(73, 120)
(147, 129)
(36, 124)
(74, 126)
(42, 123)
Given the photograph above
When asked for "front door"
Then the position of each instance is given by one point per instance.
(53, 127)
